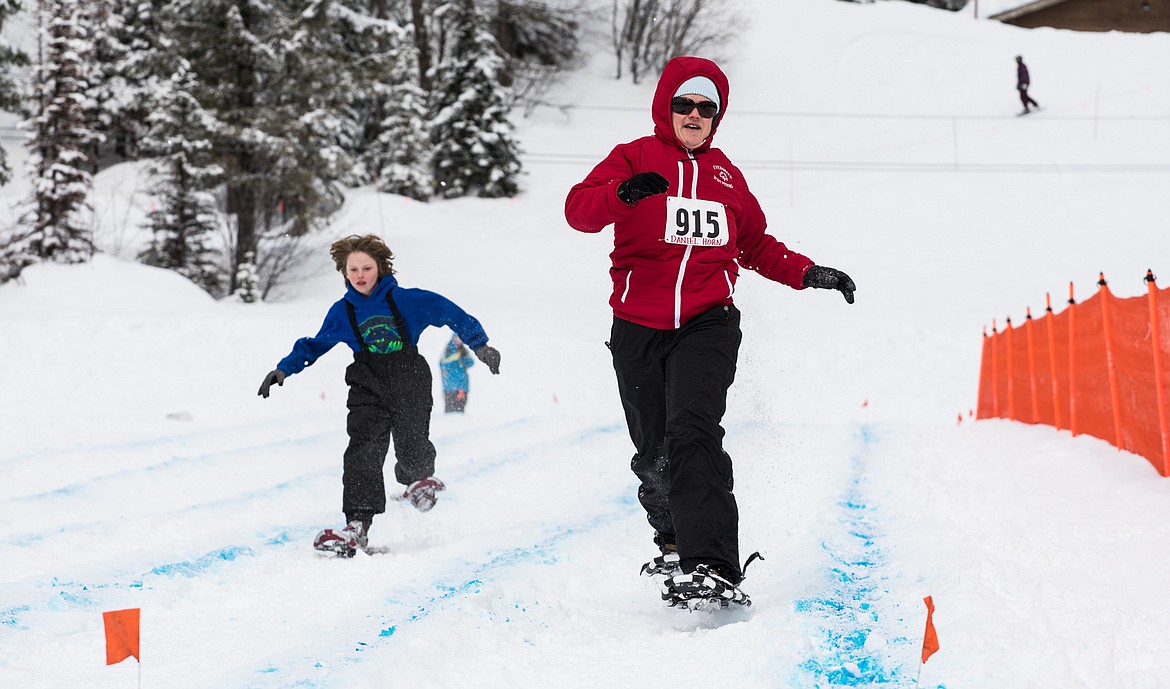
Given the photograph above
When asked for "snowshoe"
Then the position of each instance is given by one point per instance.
(421, 494)
(343, 542)
(665, 564)
(702, 588)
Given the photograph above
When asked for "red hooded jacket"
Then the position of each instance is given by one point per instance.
(674, 257)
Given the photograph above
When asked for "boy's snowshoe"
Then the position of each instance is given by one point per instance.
(421, 494)
(702, 588)
(343, 542)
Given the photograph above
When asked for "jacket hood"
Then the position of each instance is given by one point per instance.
(674, 74)
(385, 284)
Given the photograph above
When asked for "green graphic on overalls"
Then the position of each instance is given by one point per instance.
(381, 335)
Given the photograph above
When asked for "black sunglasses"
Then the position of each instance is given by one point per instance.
(684, 106)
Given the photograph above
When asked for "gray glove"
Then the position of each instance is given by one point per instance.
(823, 277)
(274, 376)
(489, 356)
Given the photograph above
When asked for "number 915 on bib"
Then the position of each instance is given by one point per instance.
(696, 222)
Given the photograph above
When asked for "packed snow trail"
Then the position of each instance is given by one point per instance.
(857, 640)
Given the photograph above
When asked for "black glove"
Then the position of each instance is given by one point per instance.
(489, 356)
(275, 376)
(642, 185)
(823, 277)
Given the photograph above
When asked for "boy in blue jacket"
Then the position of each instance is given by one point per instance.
(389, 383)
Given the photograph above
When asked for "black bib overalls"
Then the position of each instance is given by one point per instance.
(389, 398)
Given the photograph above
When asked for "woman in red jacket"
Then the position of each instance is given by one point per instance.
(684, 223)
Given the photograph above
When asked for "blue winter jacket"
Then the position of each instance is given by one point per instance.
(419, 309)
(453, 367)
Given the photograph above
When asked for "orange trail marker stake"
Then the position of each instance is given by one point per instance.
(1049, 318)
(1114, 391)
(1159, 376)
(1011, 389)
(1032, 368)
(929, 637)
(994, 372)
(1072, 363)
(121, 635)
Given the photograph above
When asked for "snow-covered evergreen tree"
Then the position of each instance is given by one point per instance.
(230, 47)
(285, 80)
(183, 179)
(133, 58)
(476, 151)
(10, 97)
(334, 60)
(540, 40)
(539, 31)
(402, 153)
(367, 33)
(247, 280)
(54, 228)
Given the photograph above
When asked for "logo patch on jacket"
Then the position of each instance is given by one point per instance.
(381, 335)
(723, 176)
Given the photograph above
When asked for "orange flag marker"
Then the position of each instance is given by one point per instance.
(930, 638)
(121, 635)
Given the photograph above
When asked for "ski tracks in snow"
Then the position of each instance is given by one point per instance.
(454, 560)
(436, 563)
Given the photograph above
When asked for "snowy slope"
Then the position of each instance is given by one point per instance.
(139, 469)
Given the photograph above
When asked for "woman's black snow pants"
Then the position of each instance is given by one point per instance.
(389, 398)
(673, 385)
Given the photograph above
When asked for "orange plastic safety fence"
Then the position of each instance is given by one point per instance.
(1100, 368)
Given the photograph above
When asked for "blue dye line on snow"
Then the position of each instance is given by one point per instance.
(175, 461)
(847, 613)
(76, 594)
(538, 553)
(8, 617)
(212, 560)
(445, 593)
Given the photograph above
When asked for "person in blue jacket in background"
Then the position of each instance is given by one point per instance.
(453, 370)
(389, 382)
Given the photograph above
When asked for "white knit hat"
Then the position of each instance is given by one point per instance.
(700, 86)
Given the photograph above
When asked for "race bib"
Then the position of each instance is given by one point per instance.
(695, 221)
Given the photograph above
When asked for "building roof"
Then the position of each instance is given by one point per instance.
(1026, 8)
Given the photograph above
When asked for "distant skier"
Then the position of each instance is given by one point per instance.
(389, 383)
(453, 370)
(1022, 83)
(685, 225)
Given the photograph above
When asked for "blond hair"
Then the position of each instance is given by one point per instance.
(370, 244)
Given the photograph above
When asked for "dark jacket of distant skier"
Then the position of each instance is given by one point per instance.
(1022, 79)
